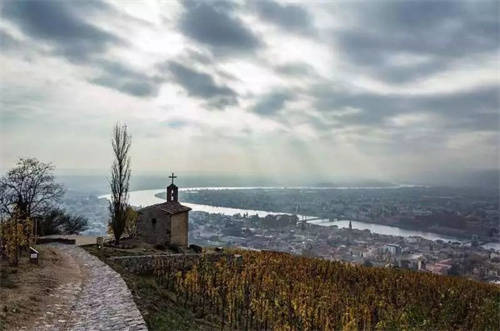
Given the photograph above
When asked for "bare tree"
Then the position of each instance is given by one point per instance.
(29, 189)
(120, 177)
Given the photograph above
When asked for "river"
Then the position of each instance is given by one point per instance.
(147, 197)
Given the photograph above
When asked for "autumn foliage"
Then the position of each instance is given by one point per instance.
(15, 235)
(270, 290)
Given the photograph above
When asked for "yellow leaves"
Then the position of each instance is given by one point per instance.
(381, 325)
(16, 234)
(349, 322)
(285, 292)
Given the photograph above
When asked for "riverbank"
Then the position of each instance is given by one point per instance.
(230, 211)
(149, 197)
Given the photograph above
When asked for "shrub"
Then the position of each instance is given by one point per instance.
(15, 235)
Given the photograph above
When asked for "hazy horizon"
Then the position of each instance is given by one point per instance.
(386, 90)
(98, 183)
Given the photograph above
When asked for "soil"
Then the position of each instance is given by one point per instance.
(28, 289)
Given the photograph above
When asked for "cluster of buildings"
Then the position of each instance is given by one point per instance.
(457, 212)
(89, 206)
(345, 244)
(168, 223)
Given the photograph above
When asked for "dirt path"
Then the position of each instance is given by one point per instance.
(57, 313)
(38, 296)
(70, 290)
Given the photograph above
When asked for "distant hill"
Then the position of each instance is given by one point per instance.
(355, 183)
(485, 179)
(98, 184)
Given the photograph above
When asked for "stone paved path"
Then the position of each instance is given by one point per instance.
(102, 301)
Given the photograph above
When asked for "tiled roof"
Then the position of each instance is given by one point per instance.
(169, 207)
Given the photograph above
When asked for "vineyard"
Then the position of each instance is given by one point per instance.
(270, 290)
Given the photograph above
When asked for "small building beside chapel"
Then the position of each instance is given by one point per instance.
(165, 223)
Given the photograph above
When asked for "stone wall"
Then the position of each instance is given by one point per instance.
(40, 241)
(153, 226)
(144, 264)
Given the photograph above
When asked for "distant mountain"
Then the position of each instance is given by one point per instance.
(355, 183)
(484, 179)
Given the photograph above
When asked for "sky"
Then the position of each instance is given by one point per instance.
(372, 89)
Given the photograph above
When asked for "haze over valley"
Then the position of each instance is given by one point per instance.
(249, 165)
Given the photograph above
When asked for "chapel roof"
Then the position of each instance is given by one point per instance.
(170, 207)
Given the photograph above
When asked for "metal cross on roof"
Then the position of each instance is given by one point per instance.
(172, 177)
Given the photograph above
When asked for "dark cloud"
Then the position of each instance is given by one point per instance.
(476, 109)
(290, 17)
(271, 103)
(407, 72)
(194, 55)
(202, 85)
(439, 32)
(7, 41)
(124, 79)
(296, 69)
(61, 25)
(135, 88)
(212, 24)
(206, 60)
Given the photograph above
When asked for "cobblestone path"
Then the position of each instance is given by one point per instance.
(101, 302)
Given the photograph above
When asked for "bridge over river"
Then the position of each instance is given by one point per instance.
(147, 197)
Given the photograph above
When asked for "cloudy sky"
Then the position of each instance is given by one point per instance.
(381, 89)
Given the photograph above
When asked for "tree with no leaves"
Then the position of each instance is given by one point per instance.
(29, 189)
(120, 177)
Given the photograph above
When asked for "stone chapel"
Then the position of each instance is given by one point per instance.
(165, 223)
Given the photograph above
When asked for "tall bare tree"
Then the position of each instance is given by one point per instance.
(120, 177)
(29, 189)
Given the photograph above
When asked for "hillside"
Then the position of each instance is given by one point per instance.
(270, 290)
(277, 290)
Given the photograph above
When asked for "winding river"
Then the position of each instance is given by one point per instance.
(147, 197)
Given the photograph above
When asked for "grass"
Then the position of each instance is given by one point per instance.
(137, 248)
(107, 252)
(6, 280)
(159, 307)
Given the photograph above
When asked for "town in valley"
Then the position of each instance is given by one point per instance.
(463, 221)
